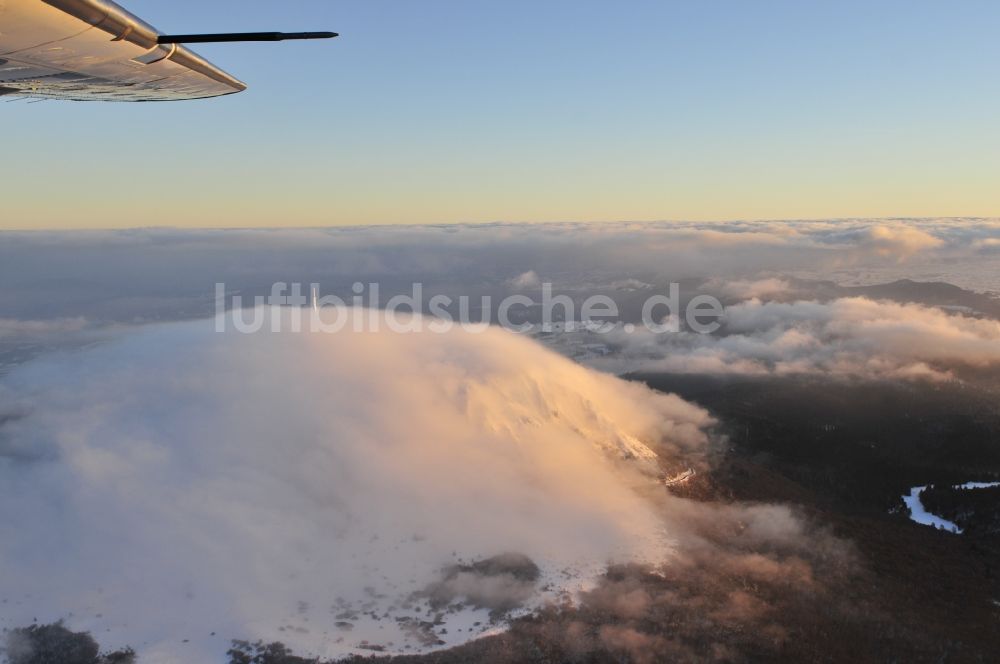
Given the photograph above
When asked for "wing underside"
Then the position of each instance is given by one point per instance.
(94, 50)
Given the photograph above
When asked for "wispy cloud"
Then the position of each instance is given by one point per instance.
(844, 337)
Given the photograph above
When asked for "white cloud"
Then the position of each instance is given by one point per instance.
(175, 481)
(103, 266)
(525, 281)
(898, 241)
(988, 245)
(847, 336)
(746, 289)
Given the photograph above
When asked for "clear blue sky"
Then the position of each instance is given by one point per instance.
(467, 110)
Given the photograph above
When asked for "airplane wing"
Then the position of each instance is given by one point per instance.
(95, 50)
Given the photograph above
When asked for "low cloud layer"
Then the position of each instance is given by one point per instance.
(895, 241)
(844, 337)
(157, 274)
(175, 482)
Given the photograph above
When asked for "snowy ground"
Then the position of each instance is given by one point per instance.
(382, 621)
